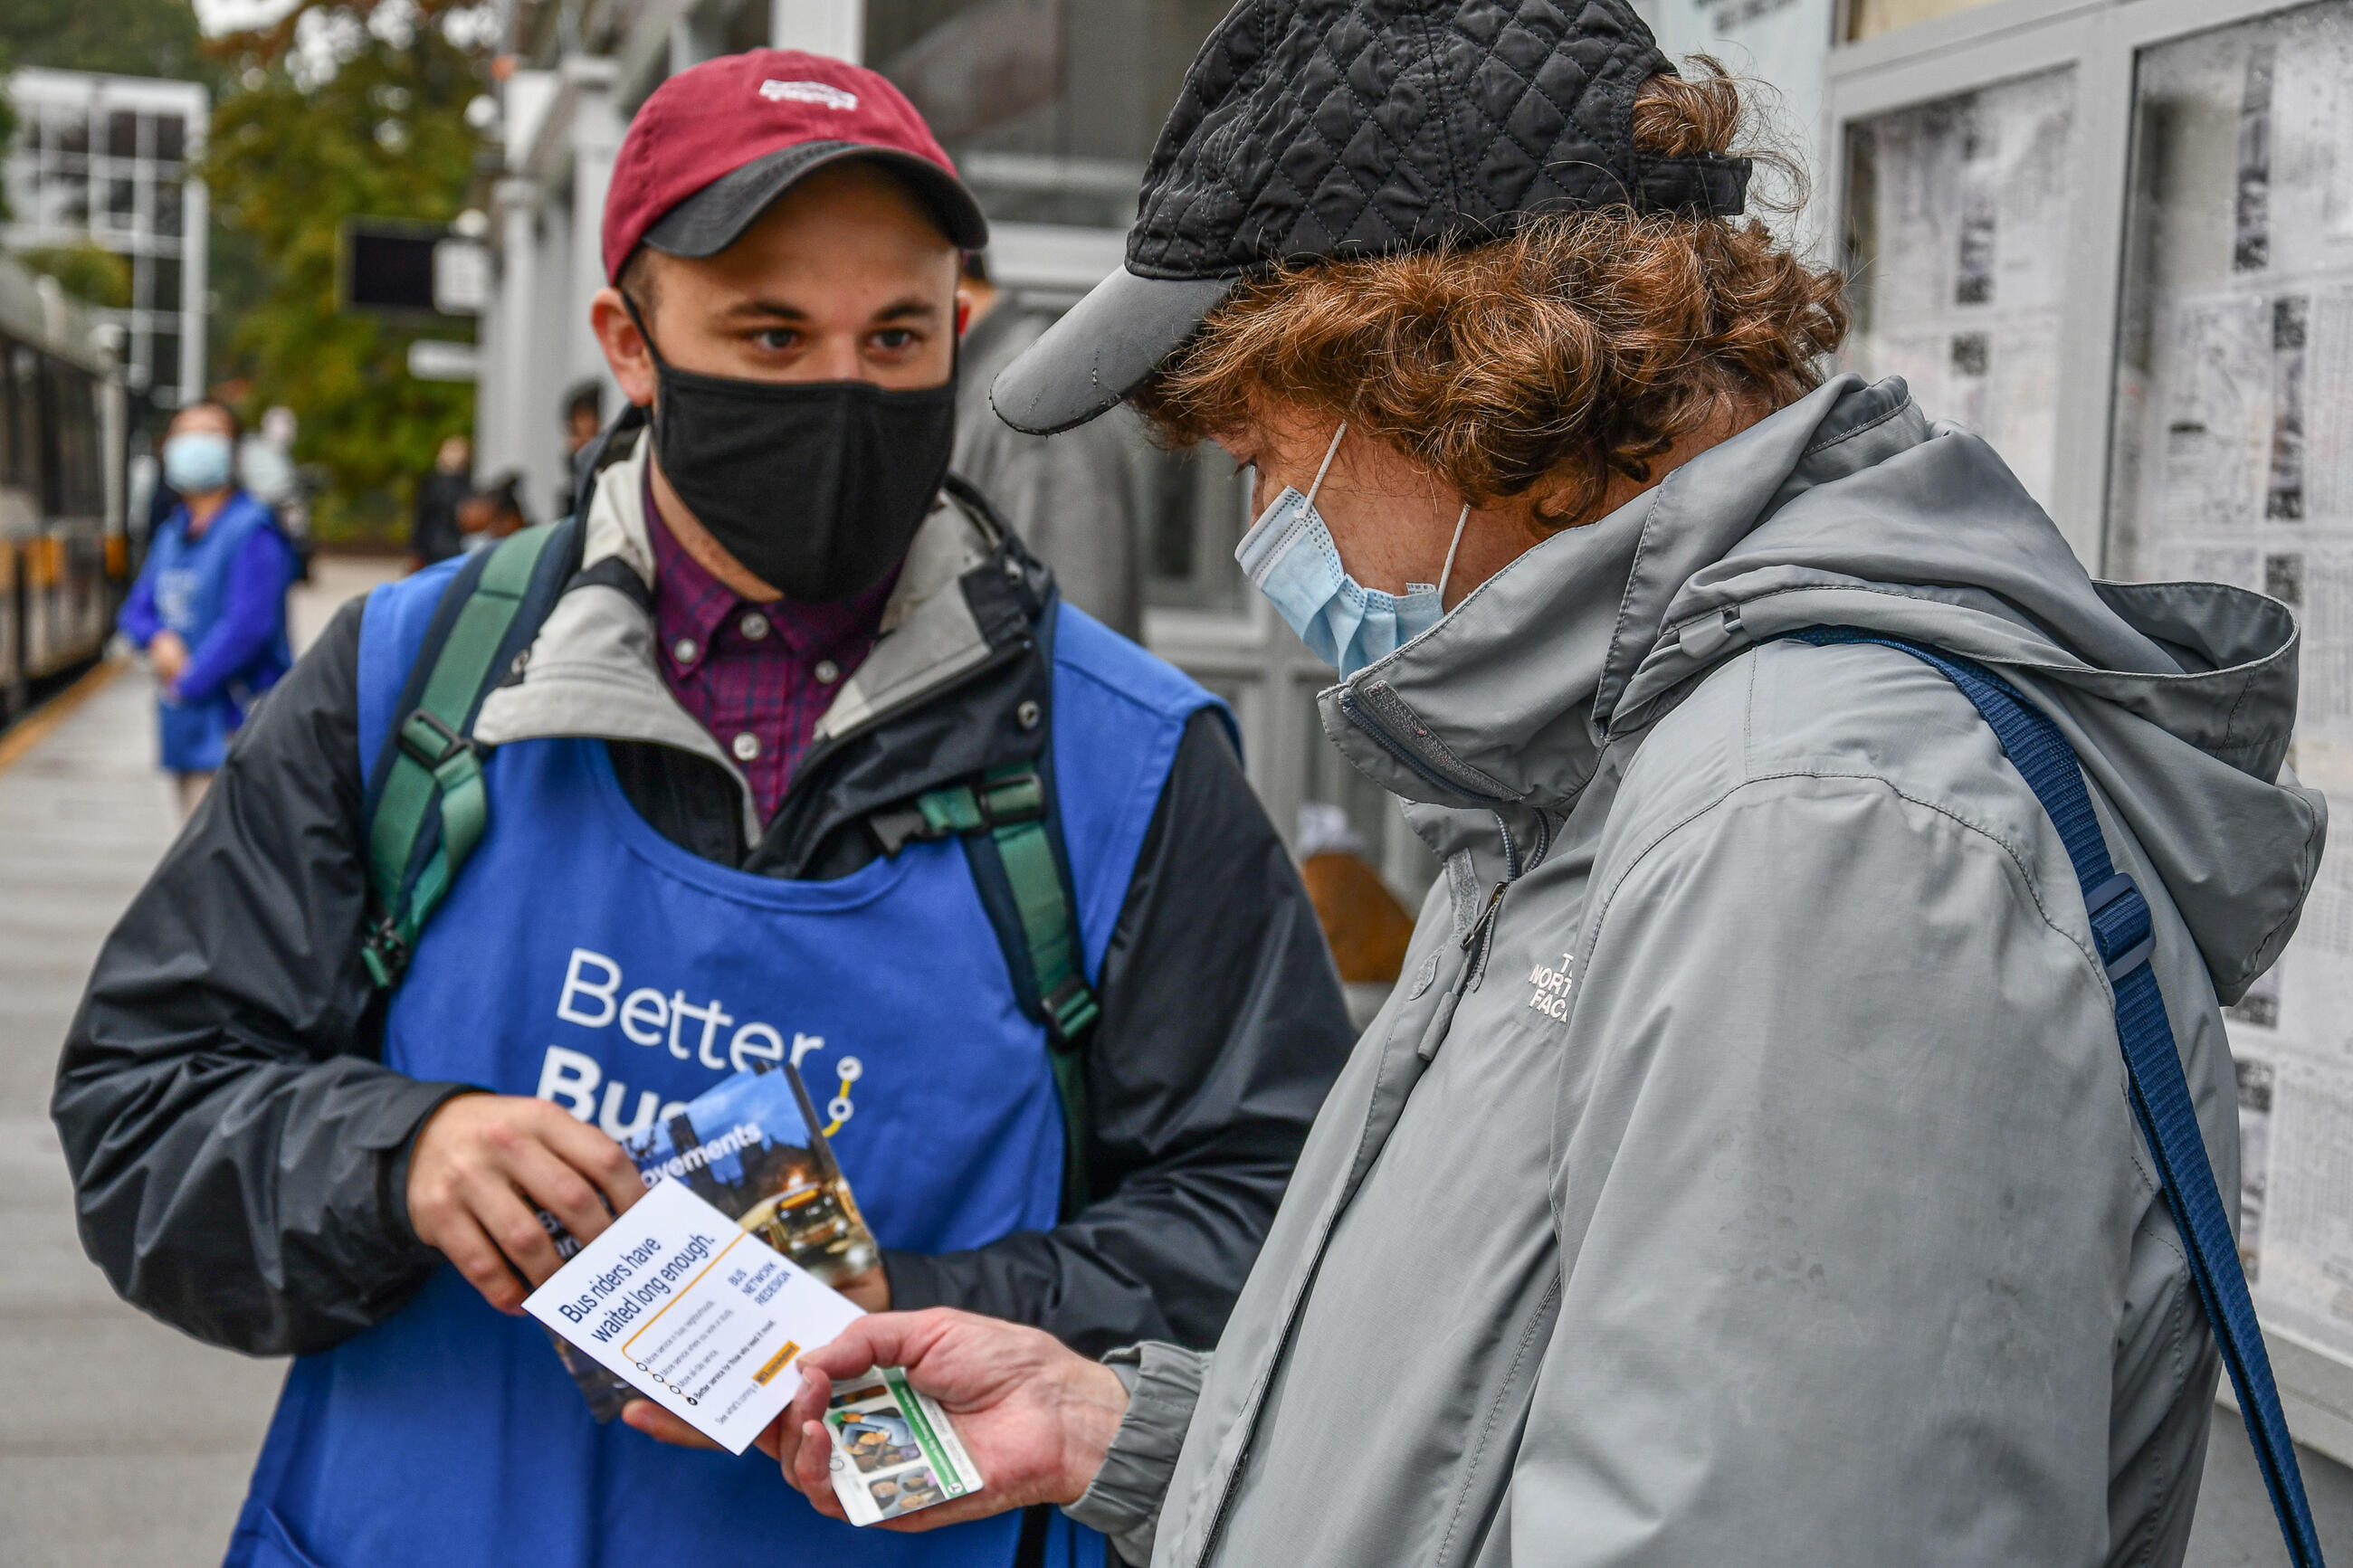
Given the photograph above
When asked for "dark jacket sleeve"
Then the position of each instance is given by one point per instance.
(233, 1140)
(1223, 1027)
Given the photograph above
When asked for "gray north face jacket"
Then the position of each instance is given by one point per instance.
(1743, 1171)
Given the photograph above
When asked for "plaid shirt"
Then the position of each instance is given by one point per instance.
(758, 677)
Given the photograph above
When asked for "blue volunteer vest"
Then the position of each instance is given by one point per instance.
(191, 586)
(584, 958)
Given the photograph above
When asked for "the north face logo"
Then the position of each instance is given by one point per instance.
(818, 92)
(1550, 996)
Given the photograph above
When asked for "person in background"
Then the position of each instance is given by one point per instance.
(584, 416)
(493, 513)
(209, 607)
(265, 466)
(1079, 498)
(436, 533)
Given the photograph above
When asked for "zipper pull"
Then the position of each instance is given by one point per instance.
(1479, 927)
(1442, 1020)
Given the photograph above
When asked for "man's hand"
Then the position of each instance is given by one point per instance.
(1036, 1418)
(167, 655)
(482, 1167)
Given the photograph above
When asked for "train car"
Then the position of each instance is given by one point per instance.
(65, 557)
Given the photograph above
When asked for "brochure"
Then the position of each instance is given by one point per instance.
(706, 1319)
(753, 1147)
(693, 1313)
(893, 1450)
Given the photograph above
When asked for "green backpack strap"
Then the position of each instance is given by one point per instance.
(436, 772)
(1009, 838)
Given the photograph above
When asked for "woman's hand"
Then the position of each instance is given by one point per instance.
(1036, 1418)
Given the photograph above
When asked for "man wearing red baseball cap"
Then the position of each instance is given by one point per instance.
(780, 748)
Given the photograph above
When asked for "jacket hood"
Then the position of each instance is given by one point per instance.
(1851, 508)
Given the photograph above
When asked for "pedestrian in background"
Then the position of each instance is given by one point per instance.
(493, 513)
(1078, 499)
(209, 607)
(584, 417)
(436, 534)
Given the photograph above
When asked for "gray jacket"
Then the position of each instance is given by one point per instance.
(1081, 500)
(1760, 1186)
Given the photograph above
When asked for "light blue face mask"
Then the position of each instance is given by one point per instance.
(198, 461)
(1289, 556)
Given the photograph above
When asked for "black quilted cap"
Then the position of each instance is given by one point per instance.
(1315, 129)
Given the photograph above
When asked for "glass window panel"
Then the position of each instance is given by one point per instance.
(1050, 107)
(121, 202)
(123, 134)
(1196, 520)
(164, 359)
(70, 134)
(1956, 253)
(2231, 460)
(164, 291)
(171, 138)
(168, 203)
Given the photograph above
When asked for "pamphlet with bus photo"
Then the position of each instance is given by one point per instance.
(753, 1147)
(893, 1450)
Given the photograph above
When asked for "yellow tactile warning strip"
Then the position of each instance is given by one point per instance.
(34, 727)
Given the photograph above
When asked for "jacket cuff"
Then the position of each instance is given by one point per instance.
(393, 1136)
(1164, 1383)
(916, 1280)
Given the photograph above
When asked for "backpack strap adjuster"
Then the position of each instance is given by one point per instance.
(385, 952)
(428, 738)
(2121, 925)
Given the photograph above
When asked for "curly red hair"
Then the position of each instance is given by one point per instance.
(1581, 346)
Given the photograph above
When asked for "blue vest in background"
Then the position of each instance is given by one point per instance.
(191, 579)
(584, 958)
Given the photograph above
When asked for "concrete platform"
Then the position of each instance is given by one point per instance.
(128, 1445)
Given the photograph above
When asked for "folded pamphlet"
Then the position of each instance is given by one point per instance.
(753, 1147)
(687, 1309)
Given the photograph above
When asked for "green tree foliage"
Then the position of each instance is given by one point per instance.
(89, 272)
(127, 37)
(343, 111)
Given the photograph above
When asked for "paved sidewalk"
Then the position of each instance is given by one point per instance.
(128, 1444)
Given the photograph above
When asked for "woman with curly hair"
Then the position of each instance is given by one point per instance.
(1744, 1170)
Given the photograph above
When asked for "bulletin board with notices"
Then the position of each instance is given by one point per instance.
(2119, 244)
(2231, 460)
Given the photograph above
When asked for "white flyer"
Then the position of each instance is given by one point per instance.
(703, 1319)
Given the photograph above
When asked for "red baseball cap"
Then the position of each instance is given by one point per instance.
(718, 142)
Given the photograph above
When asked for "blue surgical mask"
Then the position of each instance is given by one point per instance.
(1289, 556)
(196, 461)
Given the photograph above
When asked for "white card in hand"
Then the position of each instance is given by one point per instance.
(701, 1317)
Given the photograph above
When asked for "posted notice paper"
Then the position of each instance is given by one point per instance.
(702, 1318)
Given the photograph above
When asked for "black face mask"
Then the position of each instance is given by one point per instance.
(817, 488)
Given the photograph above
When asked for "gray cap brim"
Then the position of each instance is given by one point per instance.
(715, 217)
(1106, 346)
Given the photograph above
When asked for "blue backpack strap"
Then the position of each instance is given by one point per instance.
(2123, 928)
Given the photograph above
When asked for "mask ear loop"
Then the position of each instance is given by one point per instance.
(1453, 546)
(1330, 452)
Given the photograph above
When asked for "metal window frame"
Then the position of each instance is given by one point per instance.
(2005, 41)
(2102, 40)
